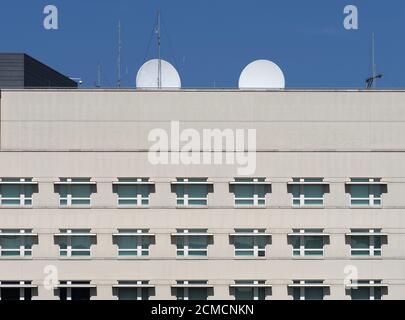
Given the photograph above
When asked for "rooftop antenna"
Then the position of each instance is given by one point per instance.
(372, 82)
(98, 84)
(158, 49)
(119, 55)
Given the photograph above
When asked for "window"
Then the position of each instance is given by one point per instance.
(308, 242)
(75, 290)
(74, 243)
(192, 242)
(17, 192)
(16, 243)
(133, 290)
(133, 192)
(307, 191)
(192, 192)
(15, 290)
(192, 290)
(308, 290)
(366, 192)
(133, 242)
(250, 242)
(250, 290)
(250, 192)
(366, 290)
(75, 192)
(366, 242)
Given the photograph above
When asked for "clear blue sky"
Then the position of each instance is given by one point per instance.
(211, 41)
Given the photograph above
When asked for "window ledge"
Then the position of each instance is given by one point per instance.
(16, 207)
(192, 258)
(250, 207)
(366, 207)
(75, 207)
(192, 207)
(249, 258)
(75, 258)
(16, 258)
(367, 258)
(133, 258)
(309, 258)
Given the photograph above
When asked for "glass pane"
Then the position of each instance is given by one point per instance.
(360, 191)
(360, 242)
(313, 293)
(127, 293)
(80, 294)
(244, 294)
(127, 242)
(180, 191)
(360, 294)
(295, 189)
(10, 242)
(80, 202)
(127, 253)
(63, 191)
(126, 191)
(313, 242)
(80, 253)
(296, 294)
(143, 190)
(244, 191)
(10, 294)
(296, 243)
(244, 253)
(197, 253)
(197, 202)
(376, 190)
(245, 202)
(360, 202)
(9, 202)
(81, 191)
(81, 242)
(316, 191)
(28, 190)
(127, 202)
(197, 294)
(199, 242)
(10, 191)
(377, 293)
(313, 202)
(244, 242)
(197, 191)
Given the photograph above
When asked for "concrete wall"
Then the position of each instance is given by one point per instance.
(104, 135)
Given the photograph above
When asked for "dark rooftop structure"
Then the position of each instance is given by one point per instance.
(19, 70)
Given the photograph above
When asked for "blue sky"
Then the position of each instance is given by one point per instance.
(211, 41)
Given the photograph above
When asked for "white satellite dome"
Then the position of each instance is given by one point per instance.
(262, 74)
(148, 75)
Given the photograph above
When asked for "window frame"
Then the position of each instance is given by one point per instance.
(302, 183)
(255, 200)
(23, 200)
(303, 234)
(255, 250)
(187, 285)
(23, 234)
(258, 288)
(369, 182)
(22, 286)
(136, 183)
(371, 250)
(186, 199)
(303, 285)
(69, 234)
(72, 182)
(139, 235)
(371, 285)
(186, 234)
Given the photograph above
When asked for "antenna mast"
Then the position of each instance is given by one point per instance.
(372, 82)
(158, 48)
(119, 56)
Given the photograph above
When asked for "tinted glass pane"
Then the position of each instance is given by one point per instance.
(244, 191)
(197, 191)
(197, 294)
(81, 242)
(360, 242)
(127, 242)
(198, 242)
(360, 294)
(313, 191)
(127, 293)
(126, 191)
(10, 294)
(10, 242)
(313, 242)
(80, 294)
(244, 242)
(10, 191)
(244, 294)
(313, 293)
(81, 191)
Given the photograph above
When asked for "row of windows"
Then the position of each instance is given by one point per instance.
(191, 242)
(191, 192)
(195, 290)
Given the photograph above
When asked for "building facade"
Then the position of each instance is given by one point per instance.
(87, 213)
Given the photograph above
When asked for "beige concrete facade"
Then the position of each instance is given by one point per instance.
(103, 135)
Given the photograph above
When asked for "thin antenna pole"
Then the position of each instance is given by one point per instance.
(158, 48)
(98, 75)
(374, 66)
(119, 56)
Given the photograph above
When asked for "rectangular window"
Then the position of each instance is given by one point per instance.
(366, 192)
(75, 290)
(133, 290)
(308, 290)
(15, 290)
(16, 243)
(16, 192)
(75, 192)
(250, 192)
(366, 242)
(366, 290)
(250, 242)
(133, 192)
(133, 242)
(193, 242)
(308, 242)
(75, 243)
(192, 192)
(192, 290)
(307, 191)
(250, 290)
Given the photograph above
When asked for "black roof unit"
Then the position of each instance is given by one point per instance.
(19, 70)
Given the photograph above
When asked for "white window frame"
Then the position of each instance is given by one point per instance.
(138, 285)
(302, 234)
(302, 183)
(255, 183)
(23, 252)
(69, 234)
(303, 285)
(372, 234)
(186, 234)
(186, 285)
(256, 285)
(186, 183)
(69, 285)
(69, 182)
(22, 286)
(22, 198)
(371, 198)
(139, 199)
(139, 234)
(255, 234)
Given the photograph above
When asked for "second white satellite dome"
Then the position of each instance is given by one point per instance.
(148, 75)
(262, 74)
